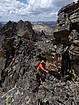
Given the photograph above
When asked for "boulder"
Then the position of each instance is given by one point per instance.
(66, 33)
(67, 20)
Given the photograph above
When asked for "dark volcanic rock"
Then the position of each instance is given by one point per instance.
(67, 19)
(14, 40)
(24, 29)
(67, 32)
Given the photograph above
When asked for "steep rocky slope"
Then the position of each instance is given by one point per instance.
(18, 59)
(67, 32)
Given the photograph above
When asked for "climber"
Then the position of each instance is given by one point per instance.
(41, 65)
(41, 71)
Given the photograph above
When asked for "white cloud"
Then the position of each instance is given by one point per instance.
(34, 10)
(7, 6)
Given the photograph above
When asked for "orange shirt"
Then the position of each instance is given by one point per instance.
(40, 66)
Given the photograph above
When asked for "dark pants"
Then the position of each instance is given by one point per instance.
(40, 76)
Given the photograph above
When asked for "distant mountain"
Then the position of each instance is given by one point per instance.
(48, 23)
(46, 29)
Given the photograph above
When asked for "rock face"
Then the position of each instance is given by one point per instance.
(15, 39)
(67, 31)
(23, 29)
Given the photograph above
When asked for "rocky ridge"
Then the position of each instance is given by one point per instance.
(18, 45)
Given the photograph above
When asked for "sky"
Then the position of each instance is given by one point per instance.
(31, 10)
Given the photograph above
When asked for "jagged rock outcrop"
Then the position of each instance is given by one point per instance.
(23, 29)
(15, 39)
(67, 32)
